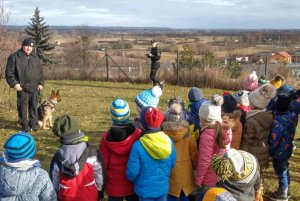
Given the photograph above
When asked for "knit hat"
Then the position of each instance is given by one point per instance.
(20, 146)
(229, 104)
(242, 97)
(278, 81)
(251, 82)
(148, 97)
(27, 42)
(217, 194)
(120, 113)
(282, 102)
(151, 118)
(211, 110)
(173, 113)
(67, 128)
(236, 165)
(195, 94)
(261, 96)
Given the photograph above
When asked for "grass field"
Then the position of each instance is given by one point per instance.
(89, 103)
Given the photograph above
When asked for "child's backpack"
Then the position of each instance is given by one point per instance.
(76, 180)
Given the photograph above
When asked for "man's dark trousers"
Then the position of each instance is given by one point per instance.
(27, 100)
(154, 67)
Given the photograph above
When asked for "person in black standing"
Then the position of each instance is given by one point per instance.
(154, 55)
(24, 73)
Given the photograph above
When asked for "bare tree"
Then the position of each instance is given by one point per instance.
(4, 19)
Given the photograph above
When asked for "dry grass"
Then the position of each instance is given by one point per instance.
(89, 103)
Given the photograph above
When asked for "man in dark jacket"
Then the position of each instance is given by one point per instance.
(154, 55)
(24, 74)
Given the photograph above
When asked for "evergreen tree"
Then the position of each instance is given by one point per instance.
(39, 32)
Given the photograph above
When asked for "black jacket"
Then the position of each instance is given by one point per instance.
(155, 54)
(24, 70)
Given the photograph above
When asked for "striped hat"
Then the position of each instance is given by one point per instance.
(148, 98)
(120, 113)
(20, 146)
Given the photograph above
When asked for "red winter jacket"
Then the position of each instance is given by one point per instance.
(115, 155)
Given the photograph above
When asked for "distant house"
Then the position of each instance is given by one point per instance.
(282, 57)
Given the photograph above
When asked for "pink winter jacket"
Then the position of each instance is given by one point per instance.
(208, 147)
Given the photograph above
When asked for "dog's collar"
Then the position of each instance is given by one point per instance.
(53, 103)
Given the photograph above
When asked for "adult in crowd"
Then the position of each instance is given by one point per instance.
(154, 55)
(24, 74)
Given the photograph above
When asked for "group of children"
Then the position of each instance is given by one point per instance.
(216, 149)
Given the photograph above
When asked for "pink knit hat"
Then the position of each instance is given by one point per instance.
(251, 82)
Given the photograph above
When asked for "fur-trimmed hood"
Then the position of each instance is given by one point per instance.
(176, 130)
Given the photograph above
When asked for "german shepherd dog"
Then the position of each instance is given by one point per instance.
(46, 109)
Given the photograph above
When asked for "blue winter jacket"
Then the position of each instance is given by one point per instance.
(150, 176)
(33, 184)
(282, 135)
(194, 112)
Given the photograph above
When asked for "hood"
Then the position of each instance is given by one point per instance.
(14, 182)
(176, 130)
(72, 152)
(263, 117)
(123, 147)
(234, 115)
(157, 145)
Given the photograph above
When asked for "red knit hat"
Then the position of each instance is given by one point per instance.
(151, 118)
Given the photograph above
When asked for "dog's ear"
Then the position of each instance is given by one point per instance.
(58, 96)
(52, 93)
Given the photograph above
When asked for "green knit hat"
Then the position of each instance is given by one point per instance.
(67, 128)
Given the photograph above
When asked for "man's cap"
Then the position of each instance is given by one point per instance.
(27, 42)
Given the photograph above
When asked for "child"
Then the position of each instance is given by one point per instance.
(147, 98)
(278, 81)
(75, 171)
(238, 173)
(281, 146)
(216, 194)
(151, 158)
(229, 109)
(182, 175)
(185, 114)
(196, 99)
(21, 177)
(242, 98)
(214, 139)
(251, 82)
(258, 125)
(115, 148)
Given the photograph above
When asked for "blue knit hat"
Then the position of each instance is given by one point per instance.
(148, 98)
(20, 146)
(120, 113)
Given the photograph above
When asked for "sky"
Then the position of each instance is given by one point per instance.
(201, 14)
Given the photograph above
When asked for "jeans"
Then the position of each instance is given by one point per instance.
(182, 197)
(161, 198)
(281, 169)
(127, 198)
